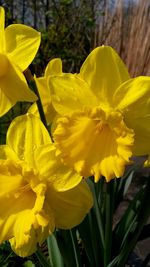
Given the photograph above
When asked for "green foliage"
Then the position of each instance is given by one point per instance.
(8, 257)
(68, 35)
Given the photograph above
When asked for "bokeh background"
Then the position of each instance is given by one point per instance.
(72, 28)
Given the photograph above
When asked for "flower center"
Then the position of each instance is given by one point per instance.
(95, 142)
(4, 63)
(25, 182)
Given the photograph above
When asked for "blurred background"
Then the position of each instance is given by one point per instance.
(72, 28)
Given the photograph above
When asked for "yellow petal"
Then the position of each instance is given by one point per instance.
(32, 226)
(22, 218)
(133, 97)
(6, 104)
(95, 143)
(70, 207)
(141, 127)
(4, 65)
(16, 80)
(9, 183)
(2, 25)
(24, 241)
(54, 67)
(25, 134)
(28, 233)
(7, 153)
(49, 111)
(43, 89)
(12, 205)
(70, 93)
(104, 71)
(22, 43)
(52, 170)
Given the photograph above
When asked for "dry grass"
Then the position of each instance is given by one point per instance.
(128, 31)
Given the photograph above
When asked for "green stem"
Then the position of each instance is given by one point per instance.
(32, 83)
(109, 207)
(97, 213)
(75, 248)
(33, 86)
(54, 252)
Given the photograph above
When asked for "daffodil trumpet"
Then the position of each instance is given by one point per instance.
(104, 115)
(37, 191)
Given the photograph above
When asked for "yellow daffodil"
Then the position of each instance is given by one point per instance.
(105, 115)
(54, 67)
(18, 47)
(37, 192)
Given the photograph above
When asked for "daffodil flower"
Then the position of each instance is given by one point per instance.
(37, 191)
(105, 115)
(18, 47)
(54, 67)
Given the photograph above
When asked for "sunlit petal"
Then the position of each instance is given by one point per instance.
(22, 218)
(71, 206)
(16, 80)
(31, 227)
(43, 89)
(9, 184)
(22, 43)
(7, 153)
(53, 170)
(12, 204)
(27, 233)
(133, 97)
(70, 93)
(54, 67)
(25, 134)
(104, 71)
(141, 127)
(6, 103)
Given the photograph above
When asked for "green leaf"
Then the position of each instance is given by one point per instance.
(91, 229)
(141, 215)
(127, 221)
(67, 242)
(54, 252)
(109, 209)
(89, 239)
